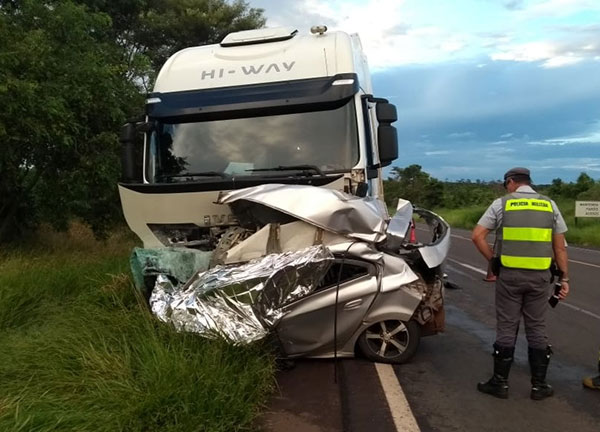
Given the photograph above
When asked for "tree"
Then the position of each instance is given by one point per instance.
(584, 182)
(152, 30)
(556, 188)
(63, 98)
(414, 185)
(71, 72)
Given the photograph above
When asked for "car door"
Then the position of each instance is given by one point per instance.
(307, 327)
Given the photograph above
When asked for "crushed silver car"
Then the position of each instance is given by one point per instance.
(322, 272)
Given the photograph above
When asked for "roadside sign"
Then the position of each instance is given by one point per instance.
(587, 209)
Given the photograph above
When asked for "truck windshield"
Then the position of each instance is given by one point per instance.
(242, 147)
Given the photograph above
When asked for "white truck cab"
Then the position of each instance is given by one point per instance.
(263, 106)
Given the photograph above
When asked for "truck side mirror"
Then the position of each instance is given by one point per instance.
(386, 112)
(387, 138)
(387, 135)
(128, 166)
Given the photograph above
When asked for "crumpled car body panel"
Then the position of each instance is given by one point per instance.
(331, 210)
(314, 255)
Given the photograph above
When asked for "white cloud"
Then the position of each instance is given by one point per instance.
(557, 8)
(533, 51)
(507, 135)
(437, 152)
(550, 54)
(460, 135)
(452, 45)
(583, 167)
(388, 35)
(591, 138)
(397, 32)
(546, 143)
(577, 164)
(560, 61)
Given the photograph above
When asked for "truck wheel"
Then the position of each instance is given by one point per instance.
(390, 341)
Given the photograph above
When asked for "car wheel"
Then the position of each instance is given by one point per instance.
(390, 341)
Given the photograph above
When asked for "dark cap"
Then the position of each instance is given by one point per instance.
(517, 171)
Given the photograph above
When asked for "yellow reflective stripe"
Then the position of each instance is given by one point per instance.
(527, 234)
(529, 263)
(528, 204)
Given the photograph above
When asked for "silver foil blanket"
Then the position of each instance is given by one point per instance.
(240, 303)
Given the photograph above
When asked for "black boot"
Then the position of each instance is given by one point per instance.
(538, 362)
(497, 385)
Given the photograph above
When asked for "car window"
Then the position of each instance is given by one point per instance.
(350, 270)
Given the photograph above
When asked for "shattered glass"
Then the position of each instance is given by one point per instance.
(178, 263)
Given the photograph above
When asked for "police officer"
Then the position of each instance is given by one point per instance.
(530, 232)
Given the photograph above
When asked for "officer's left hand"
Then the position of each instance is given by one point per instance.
(564, 290)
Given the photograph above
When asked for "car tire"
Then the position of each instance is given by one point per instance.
(390, 341)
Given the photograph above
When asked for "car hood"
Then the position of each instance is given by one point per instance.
(340, 213)
(355, 217)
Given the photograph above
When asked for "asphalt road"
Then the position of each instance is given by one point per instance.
(440, 381)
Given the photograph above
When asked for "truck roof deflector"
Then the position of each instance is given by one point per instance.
(251, 37)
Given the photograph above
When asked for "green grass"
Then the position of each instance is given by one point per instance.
(462, 218)
(585, 233)
(81, 352)
(587, 230)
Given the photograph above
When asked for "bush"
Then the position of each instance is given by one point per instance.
(592, 194)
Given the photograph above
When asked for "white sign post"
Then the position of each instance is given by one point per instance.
(587, 209)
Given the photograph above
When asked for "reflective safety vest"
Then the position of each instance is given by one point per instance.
(526, 234)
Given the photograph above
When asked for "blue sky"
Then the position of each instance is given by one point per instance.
(480, 85)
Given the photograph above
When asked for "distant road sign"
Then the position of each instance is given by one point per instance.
(587, 209)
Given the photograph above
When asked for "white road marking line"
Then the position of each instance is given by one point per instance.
(584, 263)
(585, 249)
(454, 235)
(578, 309)
(401, 412)
(571, 247)
(470, 267)
(570, 306)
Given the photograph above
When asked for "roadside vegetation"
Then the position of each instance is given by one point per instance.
(463, 202)
(81, 351)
